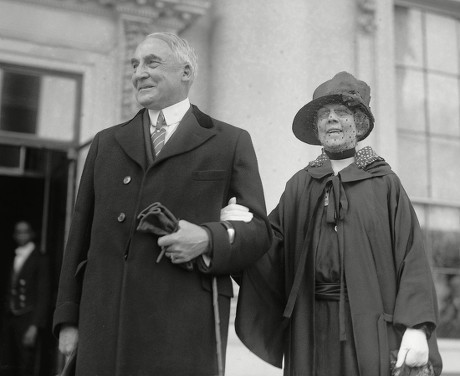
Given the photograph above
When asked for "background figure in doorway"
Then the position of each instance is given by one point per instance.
(26, 306)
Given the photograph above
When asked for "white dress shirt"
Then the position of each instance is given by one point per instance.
(173, 115)
(22, 253)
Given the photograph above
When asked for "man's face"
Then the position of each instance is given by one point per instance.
(158, 78)
(22, 233)
(336, 128)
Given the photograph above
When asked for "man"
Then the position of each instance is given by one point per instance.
(122, 311)
(346, 287)
(27, 305)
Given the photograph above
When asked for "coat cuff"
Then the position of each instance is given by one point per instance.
(220, 247)
(204, 262)
(427, 327)
(65, 313)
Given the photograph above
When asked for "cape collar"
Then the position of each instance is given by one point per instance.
(362, 168)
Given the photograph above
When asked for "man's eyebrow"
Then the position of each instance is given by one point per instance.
(147, 57)
(153, 57)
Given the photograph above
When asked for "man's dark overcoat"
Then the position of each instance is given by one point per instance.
(388, 278)
(136, 317)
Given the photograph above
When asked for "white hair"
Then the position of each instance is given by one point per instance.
(181, 49)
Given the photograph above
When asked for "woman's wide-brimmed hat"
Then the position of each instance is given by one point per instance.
(342, 88)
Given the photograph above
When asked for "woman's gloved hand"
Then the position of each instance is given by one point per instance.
(235, 212)
(414, 348)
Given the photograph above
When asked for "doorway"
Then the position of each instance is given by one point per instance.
(37, 193)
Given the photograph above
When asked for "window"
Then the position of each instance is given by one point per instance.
(38, 103)
(428, 116)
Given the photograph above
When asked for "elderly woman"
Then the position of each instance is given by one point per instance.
(346, 286)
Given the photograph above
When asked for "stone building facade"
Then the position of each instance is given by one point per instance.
(65, 74)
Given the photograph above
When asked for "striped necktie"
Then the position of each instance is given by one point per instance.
(158, 136)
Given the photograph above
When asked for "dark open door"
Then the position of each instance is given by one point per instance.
(41, 191)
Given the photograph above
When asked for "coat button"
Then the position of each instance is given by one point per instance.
(121, 217)
(22, 297)
(127, 180)
(22, 282)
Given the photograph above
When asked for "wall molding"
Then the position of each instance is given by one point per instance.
(445, 7)
(185, 10)
(366, 15)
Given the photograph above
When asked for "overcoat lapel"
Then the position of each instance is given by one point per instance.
(189, 135)
(130, 136)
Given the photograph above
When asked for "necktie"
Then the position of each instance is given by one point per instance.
(158, 136)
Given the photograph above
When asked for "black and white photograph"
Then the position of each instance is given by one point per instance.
(230, 188)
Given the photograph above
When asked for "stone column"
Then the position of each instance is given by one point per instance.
(267, 57)
(375, 64)
(134, 31)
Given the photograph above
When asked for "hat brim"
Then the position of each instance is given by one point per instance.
(303, 125)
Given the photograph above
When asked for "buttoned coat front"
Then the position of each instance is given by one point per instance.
(137, 317)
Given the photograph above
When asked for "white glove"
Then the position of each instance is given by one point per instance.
(414, 348)
(68, 340)
(235, 212)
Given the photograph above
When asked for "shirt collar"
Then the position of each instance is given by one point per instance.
(173, 114)
(25, 250)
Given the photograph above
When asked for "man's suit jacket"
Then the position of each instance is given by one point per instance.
(137, 317)
(29, 290)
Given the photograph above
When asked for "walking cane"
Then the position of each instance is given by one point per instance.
(215, 303)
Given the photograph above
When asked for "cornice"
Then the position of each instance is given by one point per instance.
(177, 14)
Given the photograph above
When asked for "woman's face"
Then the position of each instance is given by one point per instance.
(336, 128)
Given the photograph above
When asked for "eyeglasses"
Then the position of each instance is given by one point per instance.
(342, 111)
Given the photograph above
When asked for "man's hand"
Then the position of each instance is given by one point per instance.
(187, 243)
(414, 348)
(30, 336)
(68, 340)
(235, 212)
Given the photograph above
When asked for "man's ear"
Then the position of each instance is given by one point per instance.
(187, 73)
